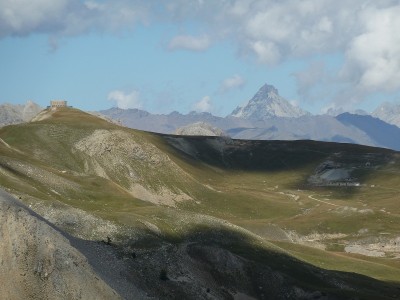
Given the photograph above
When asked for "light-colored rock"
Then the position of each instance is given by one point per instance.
(127, 159)
(38, 262)
(200, 129)
(266, 104)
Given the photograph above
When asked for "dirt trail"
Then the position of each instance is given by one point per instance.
(315, 199)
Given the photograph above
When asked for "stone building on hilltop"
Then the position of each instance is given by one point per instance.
(58, 103)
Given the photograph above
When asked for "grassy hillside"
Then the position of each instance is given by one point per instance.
(298, 207)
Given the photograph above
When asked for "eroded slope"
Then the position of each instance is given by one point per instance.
(38, 262)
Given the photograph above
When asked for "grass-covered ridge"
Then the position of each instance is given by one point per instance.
(257, 194)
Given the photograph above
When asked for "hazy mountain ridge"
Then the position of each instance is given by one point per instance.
(320, 128)
(334, 112)
(267, 116)
(388, 112)
(381, 133)
(19, 113)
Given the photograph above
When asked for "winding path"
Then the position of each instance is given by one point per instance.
(312, 198)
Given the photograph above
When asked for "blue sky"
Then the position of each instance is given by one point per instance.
(199, 55)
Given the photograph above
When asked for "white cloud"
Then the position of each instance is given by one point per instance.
(204, 105)
(125, 100)
(68, 17)
(24, 16)
(294, 102)
(373, 57)
(274, 31)
(230, 83)
(313, 76)
(266, 52)
(189, 42)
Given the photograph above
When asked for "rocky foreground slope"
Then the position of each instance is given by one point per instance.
(37, 261)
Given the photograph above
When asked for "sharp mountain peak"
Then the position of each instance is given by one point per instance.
(266, 104)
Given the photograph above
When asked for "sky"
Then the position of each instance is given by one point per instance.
(201, 55)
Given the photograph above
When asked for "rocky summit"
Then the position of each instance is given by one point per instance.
(200, 128)
(266, 104)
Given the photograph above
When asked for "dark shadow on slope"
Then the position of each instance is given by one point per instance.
(225, 263)
(278, 156)
(252, 155)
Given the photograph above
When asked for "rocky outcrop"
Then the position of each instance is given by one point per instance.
(128, 160)
(38, 262)
(200, 129)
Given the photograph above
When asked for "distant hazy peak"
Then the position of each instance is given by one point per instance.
(30, 110)
(267, 103)
(334, 112)
(388, 112)
(18, 113)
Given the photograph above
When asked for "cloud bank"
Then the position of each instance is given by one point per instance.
(230, 83)
(68, 17)
(189, 42)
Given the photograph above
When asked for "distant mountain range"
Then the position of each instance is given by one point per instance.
(268, 116)
(382, 133)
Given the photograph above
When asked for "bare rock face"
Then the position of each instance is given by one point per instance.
(130, 161)
(266, 104)
(38, 262)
